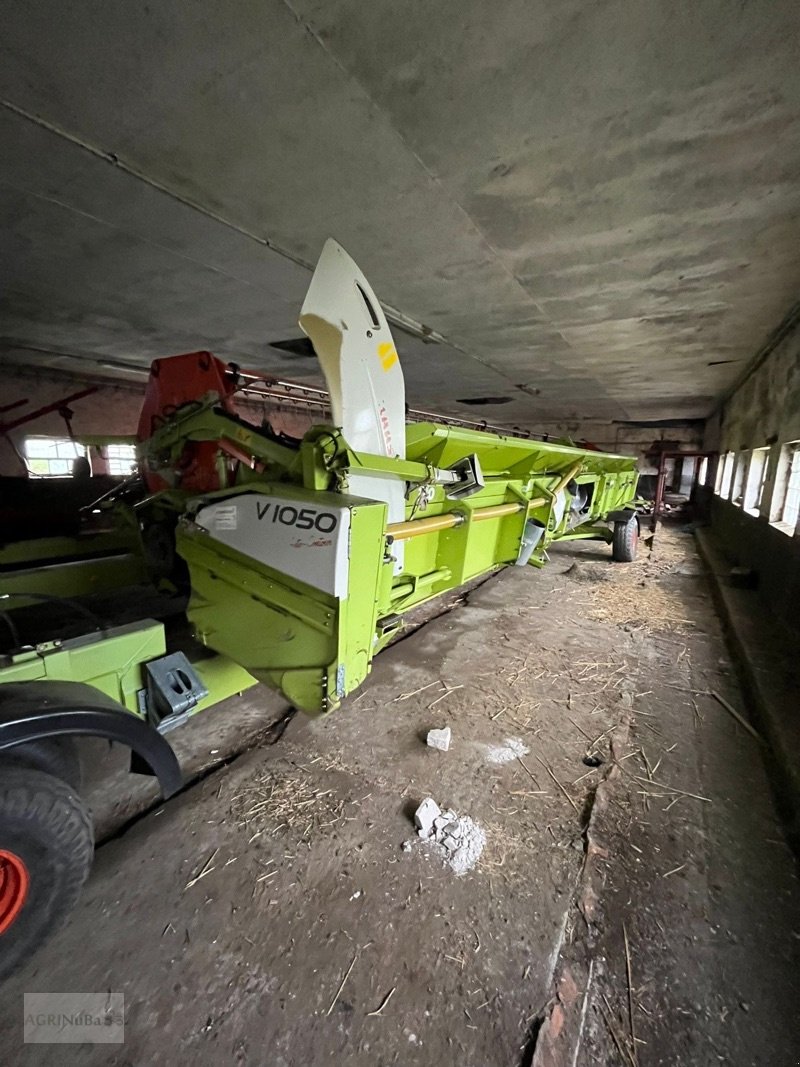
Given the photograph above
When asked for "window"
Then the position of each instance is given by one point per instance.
(737, 493)
(52, 457)
(786, 501)
(756, 476)
(669, 475)
(121, 459)
(726, 475)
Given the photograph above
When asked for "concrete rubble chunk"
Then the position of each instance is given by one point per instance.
(424, 816)
(440, 738)
(458, 840)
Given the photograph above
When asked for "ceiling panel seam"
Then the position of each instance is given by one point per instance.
(432, 177)
(400, 318)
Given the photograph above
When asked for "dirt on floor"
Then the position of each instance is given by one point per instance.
(634, 903)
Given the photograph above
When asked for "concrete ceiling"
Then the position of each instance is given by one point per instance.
(590, 208)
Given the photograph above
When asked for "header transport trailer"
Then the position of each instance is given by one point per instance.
(298, 558)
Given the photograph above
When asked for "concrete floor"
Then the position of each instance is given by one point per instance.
(309, 914)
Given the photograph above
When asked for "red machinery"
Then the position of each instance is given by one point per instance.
(173, 383)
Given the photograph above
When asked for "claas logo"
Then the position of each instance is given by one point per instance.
(387, 354)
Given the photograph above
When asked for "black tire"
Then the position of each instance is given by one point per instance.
(46, 848)
(57, 756)
(625, 541)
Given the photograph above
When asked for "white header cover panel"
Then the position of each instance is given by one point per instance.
(347, 326)
(308, 543)
(348, 329)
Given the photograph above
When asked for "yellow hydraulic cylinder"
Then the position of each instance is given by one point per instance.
(402, 531)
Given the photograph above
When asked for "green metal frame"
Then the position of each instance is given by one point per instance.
(113, 662)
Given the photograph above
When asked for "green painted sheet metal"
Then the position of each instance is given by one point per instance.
(312, 646)
(111, 661)
(223, 678)
(71, 566)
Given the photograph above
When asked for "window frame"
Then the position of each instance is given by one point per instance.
(59, 444)
(785, 509)
(726, 468)
(755, 480)
(741, 464)
(119, 456)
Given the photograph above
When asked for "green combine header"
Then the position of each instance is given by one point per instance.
(303, 560)
(302, 580)
(297, 560)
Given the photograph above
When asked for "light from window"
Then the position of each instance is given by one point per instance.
(737, 493)
(787, 509)
(726, 475)
(756, 476)
(52, 457)
(121, 459)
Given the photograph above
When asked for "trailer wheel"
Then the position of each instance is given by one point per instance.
(625, 541)
(46, 847)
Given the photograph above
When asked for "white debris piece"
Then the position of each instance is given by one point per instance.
(456, 838)
(512, 748)
(461, 845)
(442, 821)
(440, 738)
(425, 815)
